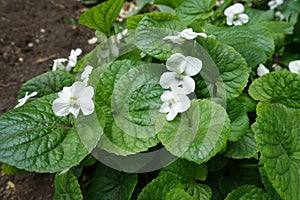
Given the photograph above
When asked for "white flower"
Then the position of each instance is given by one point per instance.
(174, 102)
(73, 99)
(58, 64)
(73, 58)
(181, 68)
(274, 4)
(294, 66)
(234, 15)
(86, 73)
(25, 98)
(262, 70)
(93, 40)
(279, 15)
(186, 34)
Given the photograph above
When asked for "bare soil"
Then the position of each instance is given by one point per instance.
(32, 34)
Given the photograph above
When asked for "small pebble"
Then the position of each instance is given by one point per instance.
(30, 44)
(21, 59)
(42, 30)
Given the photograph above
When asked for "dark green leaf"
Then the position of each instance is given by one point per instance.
(47, 83)
(110, 184)
(102, 16)
(247, 192)
(67, 187)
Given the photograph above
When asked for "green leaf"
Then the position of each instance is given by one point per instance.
(110, 184)
(267, 185)
(8, 169)
(130, 96)
(47, 83)
(34, 139)
(231, 66)
(133, 21)
(172, 4)
(258, 16)
(239, 173)
(246, 147)
(199, 134)
(239, 120)
(190, 10)
(102, 16)
(178, 194)
(254, 43)
(189, 174)
(277, 87)
(277, 134)
(247, 192)
(66, 187)
(159, 188)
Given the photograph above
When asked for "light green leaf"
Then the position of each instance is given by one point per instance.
(34, 139)
(247, 192)
(231, 66)
(189, 174)
(246, 147)
(66, 187)
(254, 43)
(199, 134)
(130, 96)
(102, 16)
(110, 184)
(190, 10)
(47, 83)
(277, 87)
(277, 133)
(159, 188)
(172, 4)
(133, 21)
(178, 194)
(8, 169)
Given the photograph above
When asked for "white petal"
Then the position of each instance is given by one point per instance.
(61, 106)
(202, 35)
(77, 88)
(166, 96)
(65, 93)
(86, 73)
(23, 100)
(244, 18)
(32, 94)
(87, 106)
(194, 65)
(237, 23)
(188, 85)
(176, 63)
(294, 66)
(182, 103)
(167, 79)
(86, 92)
(74, 110)
(78, 51)
(229, 20)
(188, 34)
(262, 70)
(176, 39)
(172, 114)
(234, 9)
(165, 108)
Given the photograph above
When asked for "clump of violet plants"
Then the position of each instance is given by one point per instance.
(197, 100)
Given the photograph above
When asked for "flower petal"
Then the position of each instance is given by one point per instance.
(165, 107)
(74, 110)
(60, 107)
(87, 106)
(262, 70)
(188, 34)
(167, 79)
(244, 18)
(182, 103)
(77, 88)
(172, 114)
(188, 85)
(234, 9)
(166, 96)
(194, 65)
(176, 63)
(176, 39)
(294, 66)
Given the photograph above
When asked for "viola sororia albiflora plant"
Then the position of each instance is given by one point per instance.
(200, 100)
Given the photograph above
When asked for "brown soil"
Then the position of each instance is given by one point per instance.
(32, 34)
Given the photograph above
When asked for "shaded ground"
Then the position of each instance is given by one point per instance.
(32, 34)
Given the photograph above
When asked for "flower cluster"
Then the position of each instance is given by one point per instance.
(235, 15)
(179, 82)
(294, 67)
(59, 64)
(186, 34)
(274, 3)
